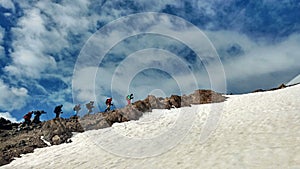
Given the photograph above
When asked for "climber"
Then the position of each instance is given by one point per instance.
(76, 109)
(37, 114)
(90, 106)
(27, 119)
(129, 98)
(108, 104)
(58, 110)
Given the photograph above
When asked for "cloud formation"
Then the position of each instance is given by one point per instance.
(12, 98)
(8, 4)
(248, 60)
(8, 116)
(2, 52)
(29, 57)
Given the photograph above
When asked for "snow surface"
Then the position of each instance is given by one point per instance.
(257, 130)
(295, 80)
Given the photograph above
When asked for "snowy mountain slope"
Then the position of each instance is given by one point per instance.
(257, 130)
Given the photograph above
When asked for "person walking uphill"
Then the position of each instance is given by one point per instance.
(108, 104)
(90, 106)
(37, 114)
(58, 110)
(27, 121)
(27, 118)
(76, 109)
(129, 98)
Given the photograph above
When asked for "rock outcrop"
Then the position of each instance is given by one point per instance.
(135, 111)
(59, 130)
(15, 142)
(282, 86)
(6, 124)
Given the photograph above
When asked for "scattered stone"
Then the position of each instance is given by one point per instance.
(14, 142)
(56, 140)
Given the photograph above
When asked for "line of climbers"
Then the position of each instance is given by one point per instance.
(58, 111)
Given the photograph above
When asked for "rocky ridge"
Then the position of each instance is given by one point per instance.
(15, 142)
(136, 110)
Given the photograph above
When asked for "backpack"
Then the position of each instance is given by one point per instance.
(108, 101)
(27, 116)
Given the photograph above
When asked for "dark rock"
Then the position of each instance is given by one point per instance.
(103, 120)
(282, 86)
(258, 90)
(15, 142)
(134, 112)
(156, 103)
(20, 143)
(142, 106)
(58, 130)
(7, 124)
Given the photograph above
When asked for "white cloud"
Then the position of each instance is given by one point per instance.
(118, 81)
(83, 84)
(29, 64)
(2, 53)
(8, 116)
(223, 39)
(2, 31)
(29, 59)
(112, 10)
(257, 58)
(69, 15)
(124, 72)
(45, 31)
(12, 98)
(8, 4)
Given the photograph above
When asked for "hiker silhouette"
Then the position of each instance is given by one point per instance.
(108, 104)
(76, 109)
(37, 114)
(58, 110)
(27, 119)
(90, 106)
(129, 98)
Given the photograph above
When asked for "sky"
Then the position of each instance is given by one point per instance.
(74, 51)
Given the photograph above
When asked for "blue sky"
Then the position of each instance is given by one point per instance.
(49, 50)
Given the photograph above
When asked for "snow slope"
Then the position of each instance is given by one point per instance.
(294, 81)
(257, 130)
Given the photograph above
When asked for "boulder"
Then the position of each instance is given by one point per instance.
(173, 102)
(205, 96)
(61, 128)
(7, 124)
(156, 103)
(142, 106)
(134, 112)
(56, 140)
